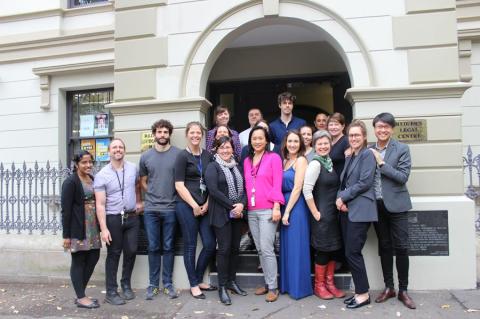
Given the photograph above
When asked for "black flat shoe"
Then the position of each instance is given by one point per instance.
(200, 296)
(92, 305)
(348, 300)
(354, 305)
(210, 288)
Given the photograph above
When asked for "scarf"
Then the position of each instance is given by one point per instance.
(325, 161)
(235, 192)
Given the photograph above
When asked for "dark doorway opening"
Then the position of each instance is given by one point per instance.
(314, 94)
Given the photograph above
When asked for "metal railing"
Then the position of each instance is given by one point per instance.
(471, 164)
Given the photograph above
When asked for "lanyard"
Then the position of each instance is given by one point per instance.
(199, 162)
(121, 185)
(254, 172)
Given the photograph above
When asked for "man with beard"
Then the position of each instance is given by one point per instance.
(118, 202)
(286, 122)
(157, 178)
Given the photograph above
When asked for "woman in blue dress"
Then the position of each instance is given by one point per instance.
(295, 228)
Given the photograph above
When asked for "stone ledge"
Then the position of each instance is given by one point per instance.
(149, 106)
(412, 92)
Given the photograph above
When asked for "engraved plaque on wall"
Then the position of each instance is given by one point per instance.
(409, 131)
(428, 233)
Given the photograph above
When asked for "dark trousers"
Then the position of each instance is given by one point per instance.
(354, 237)
(124, 239)
(160, 228)
(191, 226)
(81, 269)
(323, 257)
(228, 238)
(392, 233)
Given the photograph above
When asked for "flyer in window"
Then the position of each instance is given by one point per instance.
(101, 124)
(89, 146)
(102, 150)
(87, 123)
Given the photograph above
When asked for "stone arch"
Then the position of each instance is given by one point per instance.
(249, 15)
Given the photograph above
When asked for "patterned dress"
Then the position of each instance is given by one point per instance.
(92, 232)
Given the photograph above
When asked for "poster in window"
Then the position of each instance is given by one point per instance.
(87, 122)
(102, 149)
(89, 146)
(101, 124)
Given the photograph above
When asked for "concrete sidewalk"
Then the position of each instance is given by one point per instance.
(55, 300)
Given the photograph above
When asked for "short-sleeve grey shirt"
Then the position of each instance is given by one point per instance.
(110, 181)
(159, 167)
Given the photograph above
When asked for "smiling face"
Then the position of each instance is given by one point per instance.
(116, 150)
(306, 133)
(225, 151)
(194, 136)
(356, 138)
(292, 144)
(321, 121)
(323, 146)
(254, 115)
(222, 131)
(85, 165)
(383, 131)
(258, 141)
(222, 118)
(162, 136)
(335, 128)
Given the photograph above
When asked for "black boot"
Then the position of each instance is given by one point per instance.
(234, 288)
(128, 293)
(223, 295)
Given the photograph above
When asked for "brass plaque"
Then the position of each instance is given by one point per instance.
(146, 141)
(411, 130)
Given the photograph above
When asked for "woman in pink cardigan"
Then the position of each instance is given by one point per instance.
(263, 182)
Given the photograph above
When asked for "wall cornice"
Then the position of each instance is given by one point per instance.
(154, 106)
(74, 67)
(68, 12)
(412, 92)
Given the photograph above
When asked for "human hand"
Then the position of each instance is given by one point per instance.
(204, 209)
(317, 215)
(276, 215)
(285, 218)
(344, 208)
(106, 237)
(339, 203)
(67, 242)
(197, 211)
(139, 207)
(377, 155)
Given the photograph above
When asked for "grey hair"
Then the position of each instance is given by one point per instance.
(319, 134)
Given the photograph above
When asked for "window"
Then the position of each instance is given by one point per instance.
(81, 3)
(90, 124)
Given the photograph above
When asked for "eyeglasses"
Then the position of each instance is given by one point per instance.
(354, 135)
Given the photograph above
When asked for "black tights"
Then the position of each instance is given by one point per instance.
(83, 264)
(323, 257)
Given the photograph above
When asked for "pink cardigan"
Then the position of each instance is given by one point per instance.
(268, 184)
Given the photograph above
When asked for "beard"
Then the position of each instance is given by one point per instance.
(162, 141)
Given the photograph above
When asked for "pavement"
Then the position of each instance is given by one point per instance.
(55, 300)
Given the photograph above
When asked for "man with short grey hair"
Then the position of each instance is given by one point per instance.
(118, 202)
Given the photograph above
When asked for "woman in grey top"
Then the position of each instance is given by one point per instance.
(320, 191)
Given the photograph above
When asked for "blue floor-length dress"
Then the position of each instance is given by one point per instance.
(295, 245)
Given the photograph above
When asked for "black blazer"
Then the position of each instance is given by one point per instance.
(73, 208)
(219, 205)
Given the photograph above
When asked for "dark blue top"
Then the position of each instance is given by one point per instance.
(337, 154)
(278, 129)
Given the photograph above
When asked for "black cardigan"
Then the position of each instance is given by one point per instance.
(73, 208)
(219, 205)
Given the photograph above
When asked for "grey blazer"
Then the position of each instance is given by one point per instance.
(359, 192)
(394, 177)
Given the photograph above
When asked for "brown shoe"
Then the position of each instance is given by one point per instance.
(385, 295)
(272, 295)
(406, 300)
(261, 291)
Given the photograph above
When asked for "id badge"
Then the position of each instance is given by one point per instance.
(252, 201)
(122, 213)
(203, 187)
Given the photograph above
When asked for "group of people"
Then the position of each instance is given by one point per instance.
(321, 187)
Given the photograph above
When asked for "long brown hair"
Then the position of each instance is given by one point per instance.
(301, 150)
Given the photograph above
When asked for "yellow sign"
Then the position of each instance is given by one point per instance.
(146, 141)
(411, 130)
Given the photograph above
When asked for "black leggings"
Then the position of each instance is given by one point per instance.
(83, 264)
(323, 257)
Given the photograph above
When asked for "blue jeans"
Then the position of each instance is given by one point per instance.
(191, 226)
(160, 227)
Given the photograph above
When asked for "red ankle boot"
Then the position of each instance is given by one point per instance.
(320, 289)
(330, 281)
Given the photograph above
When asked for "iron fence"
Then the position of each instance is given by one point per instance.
(471, 165)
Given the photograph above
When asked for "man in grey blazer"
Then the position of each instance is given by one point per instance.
(393, 204)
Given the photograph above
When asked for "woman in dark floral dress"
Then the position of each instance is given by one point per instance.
(81, 235)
